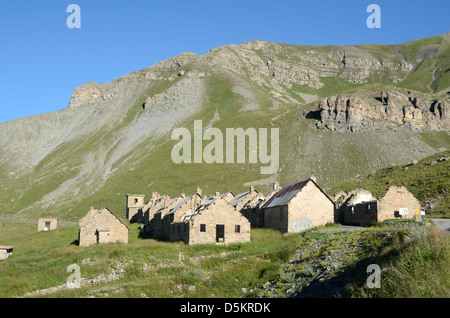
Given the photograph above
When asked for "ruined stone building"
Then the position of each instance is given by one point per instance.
(165, 217)
(214, 221)
(248, 204)
(253, 210)
(360, 207)
(101, 226)
(357, 207)
(135, 202)
(174, 221)
(297, 207)
(153, 214)
(47, 224)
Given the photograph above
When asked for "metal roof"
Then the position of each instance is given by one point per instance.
(285, 195)
(238, 198)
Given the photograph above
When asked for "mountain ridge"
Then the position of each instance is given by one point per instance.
(114, 138)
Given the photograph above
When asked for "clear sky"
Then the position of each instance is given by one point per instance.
(42, 60)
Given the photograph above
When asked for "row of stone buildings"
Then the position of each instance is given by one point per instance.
(227, 218)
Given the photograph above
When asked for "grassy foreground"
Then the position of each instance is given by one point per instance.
(271, 265)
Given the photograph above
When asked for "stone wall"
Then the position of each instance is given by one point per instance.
(135, 202)
(309, 208)
(276, 218)
(360, 213)
(203, 227)
(394, 199)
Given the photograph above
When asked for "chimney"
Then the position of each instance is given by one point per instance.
(252, 188)
(183, 195)
(199, 191)
(313, 178)
(276, 184)
(166, 201)
(217, 194)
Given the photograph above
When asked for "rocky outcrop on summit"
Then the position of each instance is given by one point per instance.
(86, 93)
(353, 113)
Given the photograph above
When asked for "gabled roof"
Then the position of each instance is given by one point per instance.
(182, 202)
(287, 193)
(117, 218)
(239, 198)
(93, 210)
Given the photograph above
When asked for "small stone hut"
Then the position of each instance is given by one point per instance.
(47, 224)
(101, 226)
(6, 251)
(297, 207)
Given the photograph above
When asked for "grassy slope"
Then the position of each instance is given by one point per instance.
(267, 266)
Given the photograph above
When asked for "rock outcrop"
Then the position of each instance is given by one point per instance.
(354, 113)
(86, 93)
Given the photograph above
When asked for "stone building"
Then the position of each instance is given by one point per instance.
(101, 226)
(214, 221)
(154, 214)
(360, 207)
(248, 204)
(47, 224)
(297, 207)
(190, 203)
(357, 207)
(6, 251)
(397, 202)
(135, 202)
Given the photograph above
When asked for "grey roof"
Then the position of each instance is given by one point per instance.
(181, 203)
(238, 198)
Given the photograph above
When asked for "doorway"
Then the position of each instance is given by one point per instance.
(220, 233)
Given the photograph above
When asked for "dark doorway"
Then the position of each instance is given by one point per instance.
(220, 233)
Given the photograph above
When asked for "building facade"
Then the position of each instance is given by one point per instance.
(298, 207)
(101, 226)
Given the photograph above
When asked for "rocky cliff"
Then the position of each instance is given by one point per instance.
(354, 113)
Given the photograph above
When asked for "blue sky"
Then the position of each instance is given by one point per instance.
(42, 61)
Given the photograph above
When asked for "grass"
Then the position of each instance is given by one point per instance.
(414, 269)
(215, 270)
(151, 268)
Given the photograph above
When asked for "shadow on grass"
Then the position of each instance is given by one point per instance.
(356, 274)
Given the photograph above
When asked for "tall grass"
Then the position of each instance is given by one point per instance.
(415, 269)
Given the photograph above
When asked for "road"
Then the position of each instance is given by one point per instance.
(443, 224)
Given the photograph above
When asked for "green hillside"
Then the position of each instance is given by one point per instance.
(95, 154)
